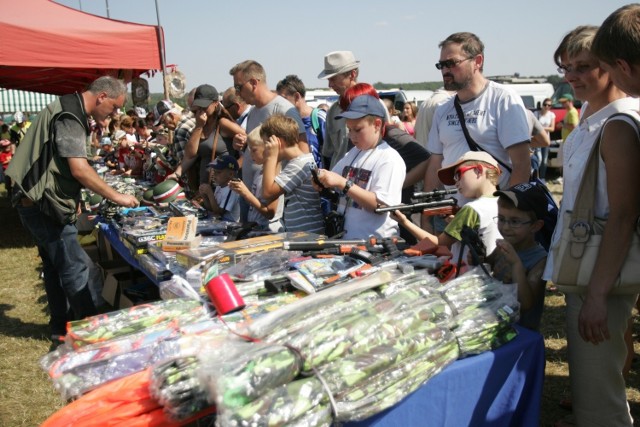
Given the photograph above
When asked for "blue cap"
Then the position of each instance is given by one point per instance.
(363, 105)
(224, 162)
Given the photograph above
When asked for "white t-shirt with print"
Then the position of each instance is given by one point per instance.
(496, 120)
(380, 170)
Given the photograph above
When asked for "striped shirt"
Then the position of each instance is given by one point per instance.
(302, 210)
(182, 134)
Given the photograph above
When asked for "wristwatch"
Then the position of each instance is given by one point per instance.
(347, 187)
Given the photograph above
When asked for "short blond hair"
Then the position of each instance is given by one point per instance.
(254, 137)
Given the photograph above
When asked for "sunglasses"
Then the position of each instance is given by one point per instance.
(546, 105)
(451, 63)
(461, 171)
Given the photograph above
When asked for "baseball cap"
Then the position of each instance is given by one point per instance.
(105, 140)
(526, 197)
(224, 162)
(160, 109)
(566, 97)
(140, 112)
(363, 105)
(446, 174)
(18, 116)
(204, 96)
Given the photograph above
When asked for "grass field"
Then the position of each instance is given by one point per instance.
(27, 397)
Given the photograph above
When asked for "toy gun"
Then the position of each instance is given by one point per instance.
(372, 251)
(428, 203)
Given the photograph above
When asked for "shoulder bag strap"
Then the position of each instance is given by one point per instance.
(213, 150)
(473, 146)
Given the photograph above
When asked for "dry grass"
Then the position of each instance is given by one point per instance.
(27, 397)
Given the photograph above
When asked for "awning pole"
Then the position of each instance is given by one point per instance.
(165, 78)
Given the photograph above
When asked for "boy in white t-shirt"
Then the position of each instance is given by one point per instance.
(223, 202)
(475, 174)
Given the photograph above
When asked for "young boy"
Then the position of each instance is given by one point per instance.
(266, 215)
(518, 258)
(475, 174)
(222, 202)
(302, 210)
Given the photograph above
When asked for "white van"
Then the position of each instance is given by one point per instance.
(532, 90)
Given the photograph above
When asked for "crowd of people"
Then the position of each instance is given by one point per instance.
(266, 156)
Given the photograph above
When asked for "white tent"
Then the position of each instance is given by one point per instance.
(18, 100)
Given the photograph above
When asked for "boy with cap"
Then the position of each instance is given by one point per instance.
(518, 258)
(223, 202)
(571, 118)
(370, 174)
(302, 210)
(475, 174)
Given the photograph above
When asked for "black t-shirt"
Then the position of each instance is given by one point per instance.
(409, 149)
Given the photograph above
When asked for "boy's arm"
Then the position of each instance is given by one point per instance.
(268, 210)
(210, 199)
(529, 285)
(443, 239)
(270, 189)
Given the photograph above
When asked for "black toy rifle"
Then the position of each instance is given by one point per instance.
(428, 203)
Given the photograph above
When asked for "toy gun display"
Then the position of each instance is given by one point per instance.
(428, 203)
(372, 251)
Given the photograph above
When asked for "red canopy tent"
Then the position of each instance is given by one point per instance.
(49, 48)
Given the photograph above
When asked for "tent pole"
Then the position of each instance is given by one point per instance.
(165, 79)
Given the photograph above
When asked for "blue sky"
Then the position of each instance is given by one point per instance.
(395, 41)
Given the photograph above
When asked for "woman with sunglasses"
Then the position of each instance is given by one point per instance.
(596, 320)
(547, 119)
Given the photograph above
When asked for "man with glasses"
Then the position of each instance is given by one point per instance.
(250, 83)
(494, 115)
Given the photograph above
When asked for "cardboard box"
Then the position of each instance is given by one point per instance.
(119, 288)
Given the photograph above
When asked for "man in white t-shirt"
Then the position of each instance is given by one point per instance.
(494, 115)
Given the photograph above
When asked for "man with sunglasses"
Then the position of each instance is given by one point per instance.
(494, 115)
(250, 83)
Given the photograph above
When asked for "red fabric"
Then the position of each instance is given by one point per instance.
(123, 402)
(49, 48)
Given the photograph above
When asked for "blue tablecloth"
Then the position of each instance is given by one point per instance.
(110, 233)
(498, 388)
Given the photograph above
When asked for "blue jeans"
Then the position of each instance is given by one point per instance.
(65, 268)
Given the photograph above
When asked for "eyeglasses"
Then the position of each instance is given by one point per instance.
(460, 171)
(546, 105)
(578, 69)
(513, 223)
(451, 63)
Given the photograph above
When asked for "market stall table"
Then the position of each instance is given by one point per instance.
(111, 235)
(497, 388)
